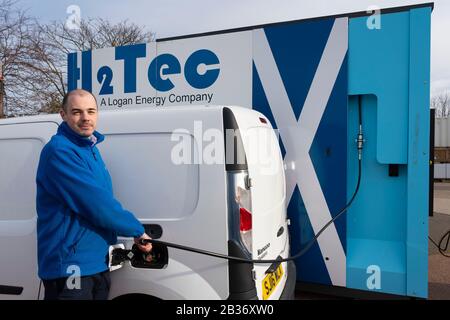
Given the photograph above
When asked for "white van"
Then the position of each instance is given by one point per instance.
(177, 171)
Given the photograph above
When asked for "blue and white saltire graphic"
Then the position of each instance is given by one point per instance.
(327, 89)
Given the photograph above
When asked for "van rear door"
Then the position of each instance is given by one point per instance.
(21, 144)
(268, 197)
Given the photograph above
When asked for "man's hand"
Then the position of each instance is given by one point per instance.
(144, 248)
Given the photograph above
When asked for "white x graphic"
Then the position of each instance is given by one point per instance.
(298, 137)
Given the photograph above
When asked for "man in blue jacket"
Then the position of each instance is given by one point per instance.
(78, 216)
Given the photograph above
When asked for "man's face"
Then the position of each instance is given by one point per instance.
(81, 114)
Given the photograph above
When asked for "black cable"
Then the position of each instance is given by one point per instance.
(359, 141)
(39, 292)
(442, 250)
(437, 246)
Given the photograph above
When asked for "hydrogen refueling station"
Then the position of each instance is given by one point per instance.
(322, 82)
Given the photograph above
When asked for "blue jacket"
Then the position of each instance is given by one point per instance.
(78, 216)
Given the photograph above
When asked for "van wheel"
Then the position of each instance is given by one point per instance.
(137, 296)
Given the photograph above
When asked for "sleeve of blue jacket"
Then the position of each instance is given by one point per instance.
(69, 179)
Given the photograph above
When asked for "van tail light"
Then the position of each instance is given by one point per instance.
(240, 221)
(246, 228)
(245, 217)
(245, 220)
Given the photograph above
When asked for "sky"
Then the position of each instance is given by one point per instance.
(168, 18)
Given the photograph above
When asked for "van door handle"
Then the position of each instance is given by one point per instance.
(12, 290)
(155, 231)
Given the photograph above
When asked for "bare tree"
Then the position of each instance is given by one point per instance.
(96, 33)
(441, 103)
(33, 56)
(14, 34)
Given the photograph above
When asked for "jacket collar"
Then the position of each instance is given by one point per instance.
(66, 131)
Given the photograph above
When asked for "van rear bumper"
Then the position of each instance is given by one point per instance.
(289, 288)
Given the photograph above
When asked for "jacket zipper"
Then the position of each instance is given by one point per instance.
(93, 153)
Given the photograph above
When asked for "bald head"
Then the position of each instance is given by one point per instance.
(76, 92)
(79, 110)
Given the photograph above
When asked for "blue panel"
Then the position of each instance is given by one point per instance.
(379, 64)
(376, 220)
(379, 210)
(387, 225)
(418, 154)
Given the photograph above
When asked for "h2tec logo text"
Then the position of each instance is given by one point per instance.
(200, 70)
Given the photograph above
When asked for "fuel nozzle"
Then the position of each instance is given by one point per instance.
(360, 142)
(158, 258)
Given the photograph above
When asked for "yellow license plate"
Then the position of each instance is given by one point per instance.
(271, 281)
